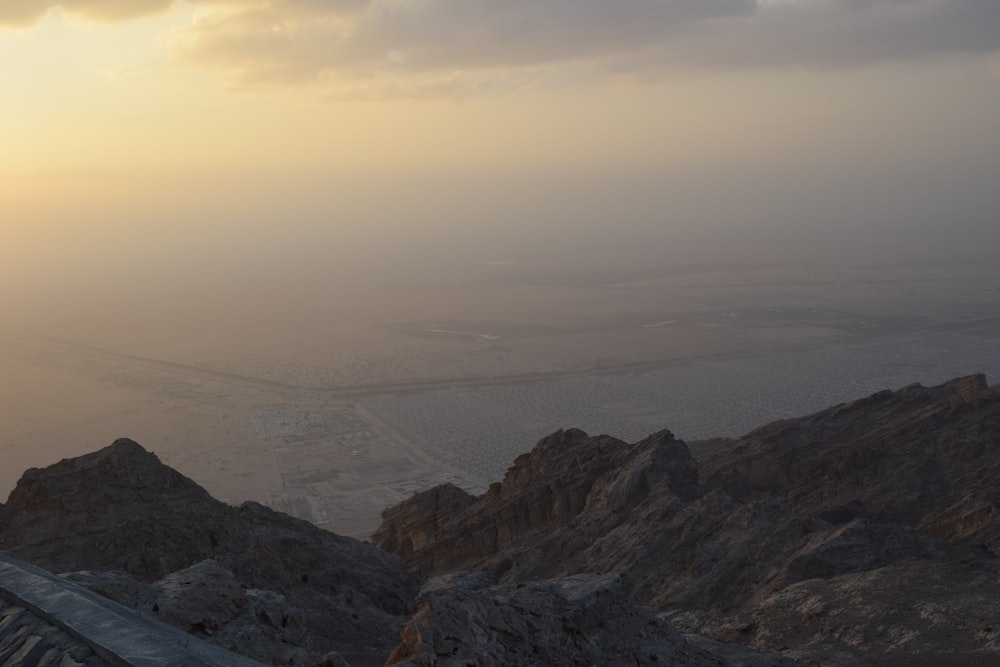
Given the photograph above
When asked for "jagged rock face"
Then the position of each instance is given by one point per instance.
(467, 619)
(894, 456)
(569, 478)
(426, 509)
(120, 509)
(861, 534)
(862, 488)
(948, 617)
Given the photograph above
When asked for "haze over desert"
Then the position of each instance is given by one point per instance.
(336, 410)
(507, 333)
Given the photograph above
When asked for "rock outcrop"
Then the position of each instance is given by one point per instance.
(470, 619)
(568, 479)
(806, 535)
(276, 588)
(863, 534)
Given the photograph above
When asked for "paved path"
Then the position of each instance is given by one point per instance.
(47, 621)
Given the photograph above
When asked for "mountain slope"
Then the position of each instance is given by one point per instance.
(862, 534)
(121, 509)
(897, 489)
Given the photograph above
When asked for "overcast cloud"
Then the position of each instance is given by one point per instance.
(26, 12)
(447, 40)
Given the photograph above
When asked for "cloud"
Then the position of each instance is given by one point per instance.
(450, 86)
(487, 33)
(848, 33)
(27, 12)
(404, 42)
(267, 41)
(21, 12)
(282, 41)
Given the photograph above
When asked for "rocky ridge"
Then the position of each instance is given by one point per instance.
(862, 534)
(865, 533)
(253, 580)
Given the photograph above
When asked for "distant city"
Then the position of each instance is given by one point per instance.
(475, 432)
(333, 421)
(482, 429)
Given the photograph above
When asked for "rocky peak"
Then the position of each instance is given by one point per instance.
(866, 533)
(121, 472)
(878, 489)
(566, 475)
(421, 514)
(121, 509)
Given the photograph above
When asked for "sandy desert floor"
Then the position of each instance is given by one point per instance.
(309, 401)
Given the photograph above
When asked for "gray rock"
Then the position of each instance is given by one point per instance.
(121, 510)
(202, 598)
(723, 542)
(467, 619)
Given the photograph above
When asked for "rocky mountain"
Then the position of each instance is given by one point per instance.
(258, 582)
(862, 534)
(284, 592)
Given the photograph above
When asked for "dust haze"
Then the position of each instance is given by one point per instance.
(328, 343)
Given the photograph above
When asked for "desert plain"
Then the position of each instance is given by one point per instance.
(334, 400)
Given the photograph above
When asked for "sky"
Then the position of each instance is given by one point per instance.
(153, 140)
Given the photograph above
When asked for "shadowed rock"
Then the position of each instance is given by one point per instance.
(467, 619)
(871, 491)
(862, 534)
(120, 509)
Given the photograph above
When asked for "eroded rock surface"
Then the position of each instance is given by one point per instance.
(259, 582)
(469, 619)
(805, 535)
(863, 534)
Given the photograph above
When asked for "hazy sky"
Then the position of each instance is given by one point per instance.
(142, 137)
